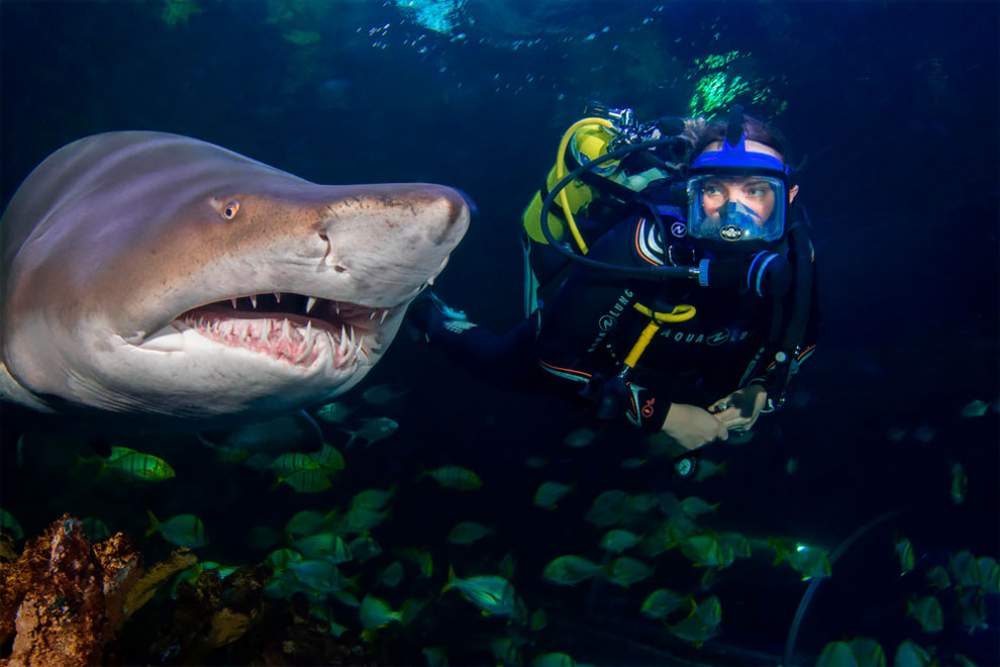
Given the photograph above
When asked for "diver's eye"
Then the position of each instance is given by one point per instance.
(712, 189)
(229, 212)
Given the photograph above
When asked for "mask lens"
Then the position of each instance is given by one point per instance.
(733, 208)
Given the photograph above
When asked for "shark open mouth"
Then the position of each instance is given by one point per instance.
(291, 327)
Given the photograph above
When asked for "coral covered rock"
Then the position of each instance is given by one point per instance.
(63, 597)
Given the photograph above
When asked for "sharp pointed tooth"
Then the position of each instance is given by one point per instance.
(286, 329)
(253, 300)
(336, 306)
(351, 334)
(430, 281)
(234, 302)
(310, 303)
(384, 313)
(307, 347)
(342, 347)
(371, 315)
(277, 297)
(309, 325)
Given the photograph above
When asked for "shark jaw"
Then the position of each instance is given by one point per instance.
(289, 328)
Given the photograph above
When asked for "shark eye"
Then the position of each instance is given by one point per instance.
(229, 212)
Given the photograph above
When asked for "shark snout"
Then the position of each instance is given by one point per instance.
(390, 240)
(450, 225)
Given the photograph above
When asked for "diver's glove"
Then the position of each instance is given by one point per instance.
(430, 317)
(739, 410)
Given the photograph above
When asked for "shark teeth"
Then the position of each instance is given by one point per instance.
(285, 341)
(311, 302)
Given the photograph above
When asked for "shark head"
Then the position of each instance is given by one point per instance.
(149, 274)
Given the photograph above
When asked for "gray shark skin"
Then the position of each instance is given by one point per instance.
(152, 276)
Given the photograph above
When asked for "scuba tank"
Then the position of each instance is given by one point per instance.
(600, 196)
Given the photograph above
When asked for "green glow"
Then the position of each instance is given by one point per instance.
(715, 91)
(718, 85)
(179, 11)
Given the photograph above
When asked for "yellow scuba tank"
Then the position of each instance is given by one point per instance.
(588, 138)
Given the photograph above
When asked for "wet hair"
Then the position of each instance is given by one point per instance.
(700, 133)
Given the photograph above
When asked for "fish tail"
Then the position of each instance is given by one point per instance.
(154, 523)
(451, 579)
(409, 611)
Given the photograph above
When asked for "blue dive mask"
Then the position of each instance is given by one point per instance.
(736, 195)
(734, 208)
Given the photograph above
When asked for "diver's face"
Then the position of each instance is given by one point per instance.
(753, 192)
(750, 191)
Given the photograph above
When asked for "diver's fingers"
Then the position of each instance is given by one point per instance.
(723, 432)
(730, 416)
(720, 405)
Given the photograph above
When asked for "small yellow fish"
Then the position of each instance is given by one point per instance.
(907, 560)
(468, 532)
(137, 465)
(927, 612)
(382, 394)
(570, 570)
(184, 530)
(581, 437)
(493, 595)
(548, 494)
(306, 481)
(959, 484)
(334, 413)
(456, 477)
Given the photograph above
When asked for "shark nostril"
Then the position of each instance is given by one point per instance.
(339, 269)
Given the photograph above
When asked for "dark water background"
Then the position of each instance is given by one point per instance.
(893, 105)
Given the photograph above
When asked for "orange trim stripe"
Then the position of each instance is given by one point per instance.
(638, 249)
(802, 355)
(564, 370)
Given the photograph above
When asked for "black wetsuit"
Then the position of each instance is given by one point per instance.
(580, 337)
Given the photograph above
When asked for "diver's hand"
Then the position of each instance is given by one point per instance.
(739, 410)
(692, 426)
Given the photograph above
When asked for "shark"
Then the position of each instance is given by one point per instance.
(161, 279)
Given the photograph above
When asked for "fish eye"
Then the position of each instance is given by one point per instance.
(229, 212)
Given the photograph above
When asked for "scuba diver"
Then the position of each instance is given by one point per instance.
(669, 278)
